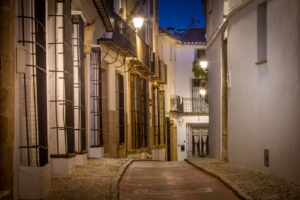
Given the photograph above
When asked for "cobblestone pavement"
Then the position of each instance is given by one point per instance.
(249, 184)
(97, 179)
(145, 180)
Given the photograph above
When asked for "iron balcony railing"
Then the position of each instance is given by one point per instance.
(123, 38)
(189, 105)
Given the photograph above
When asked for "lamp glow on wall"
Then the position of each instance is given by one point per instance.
(138, 22)
(203, 64)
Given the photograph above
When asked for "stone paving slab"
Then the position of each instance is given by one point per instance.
(249, 184)
(98, 179)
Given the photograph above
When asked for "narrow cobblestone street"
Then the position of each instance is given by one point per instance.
(170, 180)
(97, 179)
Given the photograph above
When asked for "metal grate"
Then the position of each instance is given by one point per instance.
(139, 111)
(62, 78)
(197, 141)
(162, 124)
(79, 96)
(33, 141)
(120, 105)
(97, 115)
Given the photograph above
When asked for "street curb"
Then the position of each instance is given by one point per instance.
(232, 186)
(125, 169)
(120, 177)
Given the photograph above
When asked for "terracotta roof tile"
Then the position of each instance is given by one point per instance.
(194, 36)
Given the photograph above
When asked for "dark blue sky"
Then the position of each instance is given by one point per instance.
(177, 13)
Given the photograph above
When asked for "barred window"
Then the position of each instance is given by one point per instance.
(120, 108)
(79, 96)
(96, 98)
(32, 84)
(139, 111)
(60, 76)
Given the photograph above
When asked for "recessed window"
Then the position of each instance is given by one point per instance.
(262, 32)
(199, 54)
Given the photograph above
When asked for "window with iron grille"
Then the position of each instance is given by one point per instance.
(198, 102)
(155, 115)
(120, 108)
(162, 124)
(32, 84)
(79, 98)
(96, 98)
(139, 111)
(61, 94)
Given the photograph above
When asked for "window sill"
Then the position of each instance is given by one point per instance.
(261, 62)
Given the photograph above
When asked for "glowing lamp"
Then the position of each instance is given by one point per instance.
(203, 64)
(138, 22)
(202, 92)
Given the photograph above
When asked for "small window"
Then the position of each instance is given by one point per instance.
(262, 32)
(199, 54)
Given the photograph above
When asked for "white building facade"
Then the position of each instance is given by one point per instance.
(185, 106)
(253, 53)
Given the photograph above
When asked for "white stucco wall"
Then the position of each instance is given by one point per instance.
(213, 55)
(263, 102)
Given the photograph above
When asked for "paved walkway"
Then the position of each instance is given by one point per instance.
(97, 179)
(249, 184)
(170, 180)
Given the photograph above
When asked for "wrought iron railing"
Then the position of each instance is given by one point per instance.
(124, 37)
(189, 105)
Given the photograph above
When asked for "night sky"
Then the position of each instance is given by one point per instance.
(177, 13)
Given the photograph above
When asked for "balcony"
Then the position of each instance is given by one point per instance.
(143, 53)
(159, 70)
(123, 38)
(189, 105)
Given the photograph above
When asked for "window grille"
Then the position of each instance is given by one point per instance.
(96, 106)
(32, 84)
(162, 124)
(139, 111)
(144, 113)
(197, 141)
(61, 78)
(155, 115)
(198, 102)
(79, 97)
(120, 106)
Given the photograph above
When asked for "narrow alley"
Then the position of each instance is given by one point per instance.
(149, 99)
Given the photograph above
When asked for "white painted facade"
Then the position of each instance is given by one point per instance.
(263, 101)
(179, 58)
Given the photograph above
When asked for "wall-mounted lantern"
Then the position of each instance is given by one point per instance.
(203, 64)
(202, 92)
(138, 22)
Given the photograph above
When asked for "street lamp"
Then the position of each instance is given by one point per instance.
(138, 22)
(203, 64)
